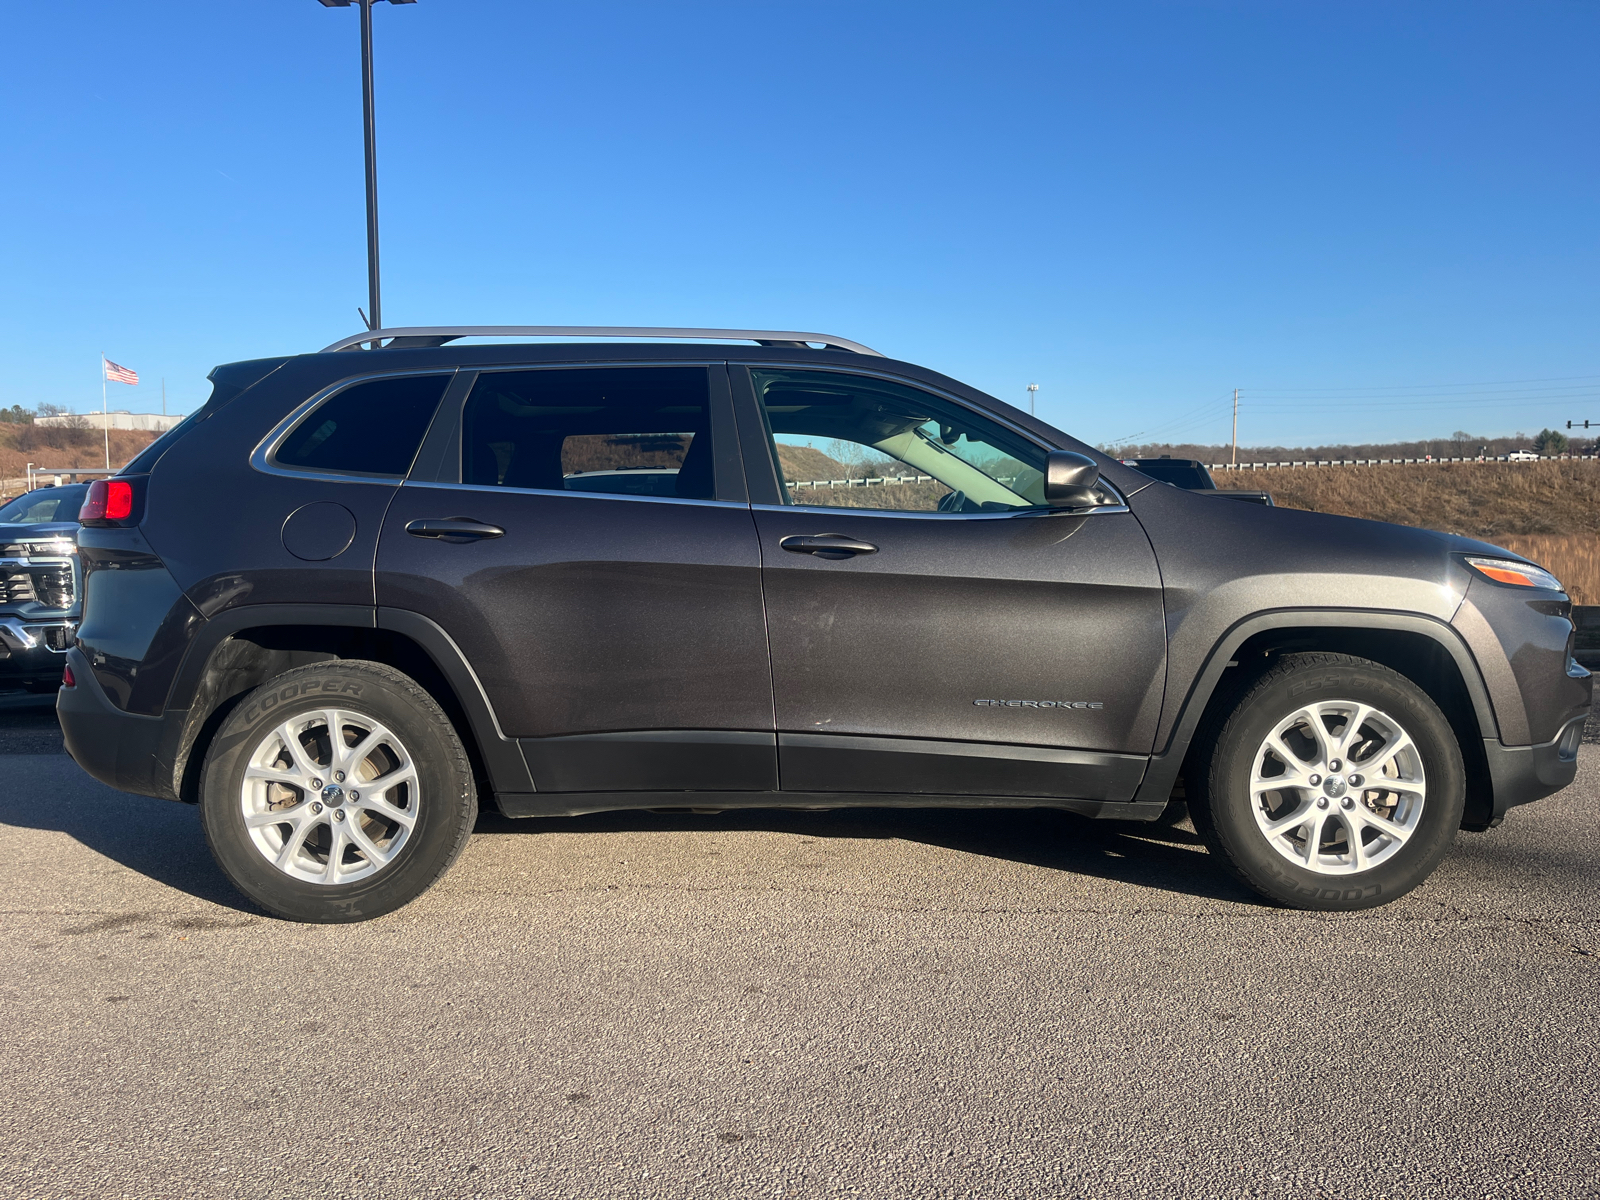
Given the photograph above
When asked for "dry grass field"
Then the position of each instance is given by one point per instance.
(44, 446)
(1574, 557)
(1548, 512)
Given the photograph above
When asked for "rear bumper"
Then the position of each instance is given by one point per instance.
(1523, 774)
(118, 748)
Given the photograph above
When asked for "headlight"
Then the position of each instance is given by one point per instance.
(1518, 574)
(59, 548)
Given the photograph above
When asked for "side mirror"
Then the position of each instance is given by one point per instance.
(1070, 479)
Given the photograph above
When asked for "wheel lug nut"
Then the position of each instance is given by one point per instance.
(1334, 765)
(355, 795)
(1347, 803)
(1322, 802)
(1316, 779)
(317, 784)
(316, 806)
(338, 776)
(1355, 781)
(339, 815)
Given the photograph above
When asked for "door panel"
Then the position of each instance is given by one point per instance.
(593, 614)
(936, 628)
(620, 634)
(1031, 629)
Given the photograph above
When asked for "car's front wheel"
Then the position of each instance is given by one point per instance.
(337, 792)
(1336, 783)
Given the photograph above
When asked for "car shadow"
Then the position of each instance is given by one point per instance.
(163, 841)
(160, 839)
(1144, 854)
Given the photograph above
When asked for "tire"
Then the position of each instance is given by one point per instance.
(1373, 843)
(394, 838)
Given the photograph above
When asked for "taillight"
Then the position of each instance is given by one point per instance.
(119, 499)
(111, 501)
(66, 678)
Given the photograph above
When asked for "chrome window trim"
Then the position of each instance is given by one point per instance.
(492, 489)
(262, 457)
(944, 516)
(889, 377)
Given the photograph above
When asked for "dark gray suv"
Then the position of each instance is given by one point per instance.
(363, 591)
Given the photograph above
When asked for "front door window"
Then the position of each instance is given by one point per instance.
(852, 441)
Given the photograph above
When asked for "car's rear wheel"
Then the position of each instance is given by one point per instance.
(337, 792)
(1335, 783)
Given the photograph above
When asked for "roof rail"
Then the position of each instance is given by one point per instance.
(438, 335)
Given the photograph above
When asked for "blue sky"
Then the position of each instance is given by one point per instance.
(1378, 219)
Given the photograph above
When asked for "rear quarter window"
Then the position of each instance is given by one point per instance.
(371, 428)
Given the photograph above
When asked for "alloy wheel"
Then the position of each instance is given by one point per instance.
(330, 797)
(1337, 787)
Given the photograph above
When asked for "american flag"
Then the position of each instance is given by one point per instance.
(118, 374)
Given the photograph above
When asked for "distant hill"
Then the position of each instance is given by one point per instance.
(1457, 447)
(54, 446)
(805, 462)
(1548, 511)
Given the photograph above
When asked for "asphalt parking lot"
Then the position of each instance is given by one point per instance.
(880, 1004)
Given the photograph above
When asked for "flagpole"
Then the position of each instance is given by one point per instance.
(105, 418)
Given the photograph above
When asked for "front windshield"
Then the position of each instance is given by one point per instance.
(45, 505)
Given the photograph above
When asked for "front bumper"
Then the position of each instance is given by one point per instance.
(33, 651)
(1523, 774)
(121, 749)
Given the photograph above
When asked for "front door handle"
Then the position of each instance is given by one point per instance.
(826, 545)
(453, 529)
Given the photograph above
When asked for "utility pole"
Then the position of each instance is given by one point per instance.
(369, 125)
(370, 130)
(1236, 427)
(105, 417)
(1033, 390)
(163, 395)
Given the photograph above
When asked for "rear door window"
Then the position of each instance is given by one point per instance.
(371, 428)
(632, 431)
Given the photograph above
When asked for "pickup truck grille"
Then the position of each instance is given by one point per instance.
(30, 573)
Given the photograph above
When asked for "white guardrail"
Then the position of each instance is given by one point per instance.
(880, 481)
(1394, 462)
(874, 481)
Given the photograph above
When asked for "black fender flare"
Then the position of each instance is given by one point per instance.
(1165, 764)
(502, 757)
(508, 769)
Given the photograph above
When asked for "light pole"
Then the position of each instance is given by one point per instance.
(1033, 390)
(375, 318)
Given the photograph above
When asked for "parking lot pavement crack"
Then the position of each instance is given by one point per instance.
(1539, 926)
(102, 921)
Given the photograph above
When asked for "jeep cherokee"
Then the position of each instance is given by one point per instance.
(361, 591)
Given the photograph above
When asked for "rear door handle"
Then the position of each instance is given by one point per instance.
(453, 529)
(826, 545)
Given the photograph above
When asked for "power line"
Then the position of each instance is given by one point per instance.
(1205, 412)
